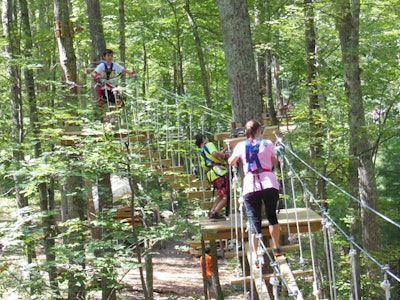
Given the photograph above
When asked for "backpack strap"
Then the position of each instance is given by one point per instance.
(207, 156)
(108, 70)
(252, 156)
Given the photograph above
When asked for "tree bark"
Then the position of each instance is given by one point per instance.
(96, 29)
(64, 36)
(347, 22)
(240, 61)
(200, 54)
(48, 220)
(14, 74)
(179, 86)
(106, 202)
(76, 205)
(317, 131)
(264, 63)
(12, 52)
(122, 38)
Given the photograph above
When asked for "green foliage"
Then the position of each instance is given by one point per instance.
(161, 31)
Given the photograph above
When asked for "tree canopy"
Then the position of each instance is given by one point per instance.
(332, 65)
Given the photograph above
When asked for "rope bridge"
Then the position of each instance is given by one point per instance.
(158, 132)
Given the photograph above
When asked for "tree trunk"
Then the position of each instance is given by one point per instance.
(214, 267)
(240, 62)
(347, 23)
(98, 44)
(264, 63)
(76, 205)
(96, 29)
(64, 36)
(316, 132)
(200, 54)
(106, 202)
(12, 51)
(147, 290)
(48, 220)
(122, 38)
(14, 74)
(179, 86)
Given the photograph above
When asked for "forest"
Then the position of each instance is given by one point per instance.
(325, 72)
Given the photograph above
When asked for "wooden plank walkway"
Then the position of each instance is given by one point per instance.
(259, 282)
(288, 219)
(222, 229)
(288, 275)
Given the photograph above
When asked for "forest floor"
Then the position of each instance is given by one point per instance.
(177, 275)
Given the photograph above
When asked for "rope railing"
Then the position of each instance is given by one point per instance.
(328, 222)
(171, 110)
(343, 191)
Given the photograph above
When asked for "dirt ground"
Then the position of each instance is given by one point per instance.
(177, 275)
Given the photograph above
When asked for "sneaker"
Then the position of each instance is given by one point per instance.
(211, 213)
(216, 217)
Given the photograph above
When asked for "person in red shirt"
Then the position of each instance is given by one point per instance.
(208, 271)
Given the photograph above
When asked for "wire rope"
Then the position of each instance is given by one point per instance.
(296, 217)
(316, 291)
(345, 192)
(281, 165)
(331, 221)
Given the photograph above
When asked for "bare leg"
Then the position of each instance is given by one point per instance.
(275, 235)
(254, 243)
(219, 204)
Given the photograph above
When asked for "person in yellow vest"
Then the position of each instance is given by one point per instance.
(214, 163)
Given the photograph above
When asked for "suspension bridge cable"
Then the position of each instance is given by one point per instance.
(307, 192)
(281, 165)
(326, 214)
(345, 192)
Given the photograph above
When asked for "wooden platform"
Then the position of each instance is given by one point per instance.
(268, 133)
(222, 229)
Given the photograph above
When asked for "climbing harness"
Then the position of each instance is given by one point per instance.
(252, 157)
(108, 70)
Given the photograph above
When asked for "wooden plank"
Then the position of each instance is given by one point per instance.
(179, 185)
(199, 194)
(286, 248)
(150, 154)
(206, 204)
(288, 276)
(190, 184)
(173, 178)
(259, 281)
(296, 273)
(200, 184)
(172, 169)
(222, 136)
(222, 229)
(268, 133)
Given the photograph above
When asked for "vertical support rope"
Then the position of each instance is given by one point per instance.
(233, 191)
(316, 291)
(242, 241)
(352, 254)
(274, 282)
(385, 284)
(296, 216)
(329, 259)
(285, 196)
(233, 181)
